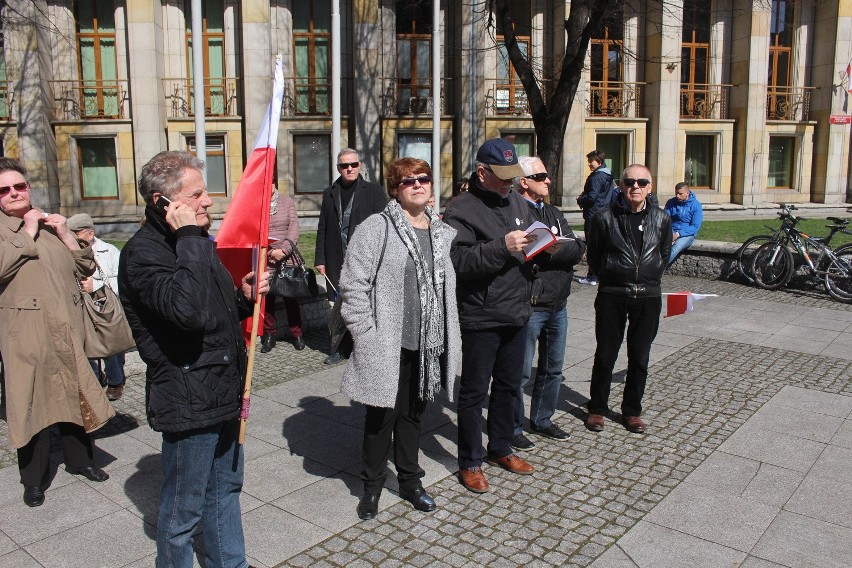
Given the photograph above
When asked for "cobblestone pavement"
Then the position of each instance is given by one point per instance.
(587, 492)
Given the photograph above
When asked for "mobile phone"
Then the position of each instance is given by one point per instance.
(161, 203)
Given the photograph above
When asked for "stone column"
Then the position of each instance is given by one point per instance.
(29, 68)
(662, 95)
(146, 70)
(749, 62)
(831, 141)
(258, 62)
(365, 104)
(469, 118)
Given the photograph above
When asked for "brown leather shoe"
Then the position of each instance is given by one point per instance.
(513, 463)
(634, 424)
(114, 392)
(473, 479)
(595, 422)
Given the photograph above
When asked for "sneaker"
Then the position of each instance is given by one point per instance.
(521, 443)
(553, 432)
(332, 359)
(586, 281)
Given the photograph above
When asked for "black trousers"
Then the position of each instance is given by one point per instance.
(34, 458)
(612, 313)
(402, 424)
(495, 358)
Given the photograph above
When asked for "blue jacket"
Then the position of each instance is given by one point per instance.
(597, 193)
(686, 216)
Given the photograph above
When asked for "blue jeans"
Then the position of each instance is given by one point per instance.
(113, 367)
(550, 329)
(680, 245)
(202, 481)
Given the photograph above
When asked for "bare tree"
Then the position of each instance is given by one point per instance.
(550, 116)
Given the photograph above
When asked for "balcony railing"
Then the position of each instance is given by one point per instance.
(506, 99)
(7, 99)
(614, 99)
(788, 103)
(221, 97)
(404, 98)
(704, 101)
(84, 100)
(304, 97)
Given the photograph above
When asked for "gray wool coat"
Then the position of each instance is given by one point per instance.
(374, 316)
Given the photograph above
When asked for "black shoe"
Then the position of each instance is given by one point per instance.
(553, 432)
(90, 472)
(421, 500)
(333, 358)
(521, 443)
(267, 342)
(33, 496)
(368, 506)
(299, 343)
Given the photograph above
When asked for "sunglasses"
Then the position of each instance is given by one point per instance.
(538, 177)
(348, 165)
(628, 182)
(409, 182)
(19, 187)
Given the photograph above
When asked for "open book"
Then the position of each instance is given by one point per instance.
(543, 238)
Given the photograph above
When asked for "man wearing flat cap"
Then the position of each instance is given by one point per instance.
(494, 306)
(106, 256)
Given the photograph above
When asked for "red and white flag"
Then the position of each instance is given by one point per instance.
(678, 303)
(245, 227)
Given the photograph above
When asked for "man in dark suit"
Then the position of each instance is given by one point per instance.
(345, 204)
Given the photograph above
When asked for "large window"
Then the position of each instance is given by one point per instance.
(415, 146)
(311, 162)
(700, 161)
(510, 96)
(615, 147)
(213, 41)
(217, 180)
(607, 65)
(311, 51)
(5, 91)
(99, 92)
(524, 142)
(782, 157)
(414, 56)
(780, 55)
(98, 173)
(694, 58)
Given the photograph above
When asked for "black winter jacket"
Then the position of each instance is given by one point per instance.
(491, 289)
(613, 258)
(369, 198)
(597, 192)
(551, 273)
(185, 314)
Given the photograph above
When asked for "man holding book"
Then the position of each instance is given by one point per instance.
(551, 270)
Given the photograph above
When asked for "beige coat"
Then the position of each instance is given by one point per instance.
(48, 378)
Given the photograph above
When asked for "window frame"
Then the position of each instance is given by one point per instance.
(314, 84)
(211, 84)
(517, 100)
(694, 93)
(330, 167)
(609, 89)
(779, 91)
(80, 167)
(189, 144)
(712, 166)
(96, 36)
(793, 167)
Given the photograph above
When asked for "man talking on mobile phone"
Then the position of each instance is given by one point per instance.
(185, 314)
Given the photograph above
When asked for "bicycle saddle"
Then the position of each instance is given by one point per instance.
(838, 221)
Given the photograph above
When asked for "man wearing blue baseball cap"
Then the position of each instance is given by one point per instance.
(493, 295)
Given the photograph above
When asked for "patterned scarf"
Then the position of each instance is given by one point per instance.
(431, 291)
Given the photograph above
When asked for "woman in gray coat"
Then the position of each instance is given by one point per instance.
(398, 300)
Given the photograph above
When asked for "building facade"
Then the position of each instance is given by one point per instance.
(744, 100)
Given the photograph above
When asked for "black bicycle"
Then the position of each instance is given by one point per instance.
(773, 263)
(745, 254)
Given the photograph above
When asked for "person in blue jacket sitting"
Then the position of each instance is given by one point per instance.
(687, 214)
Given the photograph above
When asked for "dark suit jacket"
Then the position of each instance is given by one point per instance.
(369, 198)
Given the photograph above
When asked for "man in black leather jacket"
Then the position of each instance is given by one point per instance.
(628, 248)
(185, 314)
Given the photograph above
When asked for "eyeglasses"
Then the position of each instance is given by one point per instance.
(538, 177)
(630, 181)
(348, 165)
(408, 182)
(19, 187)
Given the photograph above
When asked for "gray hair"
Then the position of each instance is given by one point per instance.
(345, 151)
(526, 163)
(163, 173)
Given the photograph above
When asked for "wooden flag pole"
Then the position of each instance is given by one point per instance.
(244, 408)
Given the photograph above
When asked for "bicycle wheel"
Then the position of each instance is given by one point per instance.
(838, 277)
(745, 255)
(772, 266)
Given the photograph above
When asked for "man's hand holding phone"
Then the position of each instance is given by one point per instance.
(177, 213)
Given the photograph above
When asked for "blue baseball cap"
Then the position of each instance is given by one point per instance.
(500, 155)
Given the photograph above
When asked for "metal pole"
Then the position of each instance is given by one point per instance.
(198, 84)
(436, 102)
(335, 81)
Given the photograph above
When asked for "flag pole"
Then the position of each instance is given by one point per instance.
(244, 407)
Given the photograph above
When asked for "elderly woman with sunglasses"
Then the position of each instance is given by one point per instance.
(398, 288)
(48, 377)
